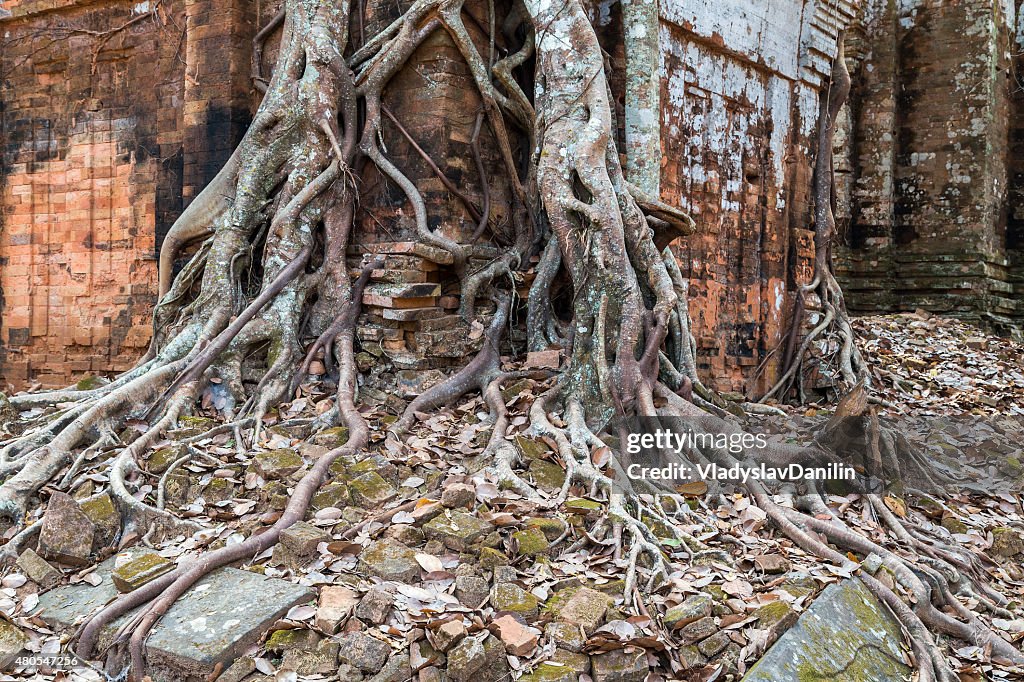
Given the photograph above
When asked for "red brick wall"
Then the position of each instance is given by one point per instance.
(938, 162)
(739, 113)
(90, 171)
(100, 159)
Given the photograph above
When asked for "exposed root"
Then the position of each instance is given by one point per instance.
(478, 371)
(504, 453)
(834, 318)
(923, 617)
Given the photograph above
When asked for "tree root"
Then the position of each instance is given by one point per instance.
(835, 320)
(478, 371)
(923, 617)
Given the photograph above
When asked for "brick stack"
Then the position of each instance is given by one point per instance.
(410, 307)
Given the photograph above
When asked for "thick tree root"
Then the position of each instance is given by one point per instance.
(835, 320)
(925, 615)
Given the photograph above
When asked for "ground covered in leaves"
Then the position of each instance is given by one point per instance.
(424, 569)
(938, 366)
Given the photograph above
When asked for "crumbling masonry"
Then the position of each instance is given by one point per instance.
(114, 115)
(933, 160)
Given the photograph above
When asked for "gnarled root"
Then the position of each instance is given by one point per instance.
(920, 619)
(834, 318)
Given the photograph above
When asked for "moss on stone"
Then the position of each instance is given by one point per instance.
(332, 438)
(218, 490)
(331, 495)
(659, 528)
(550, 672)
(864, 659)
(853, 640)
(954, 525)
(552, 528)
(140, 570)
(12, 639)
(299, 431)
(513, 390)
(363, 466)
(547, 474)
(1006, 542)
(530, 542)
(457, 530)
(772, 613)
(284, 640)
(177, 487)
(101, 510)
(88, 383)
(190, 421)
(716, 592)
(509, 597)
(800, 586)
(560, 597)
(277, 463)
(162, 459)
(490, 557)
(370, 490)
(613, 588)
(275, 493)
(532, 449)
(582, 506)
(105, 517)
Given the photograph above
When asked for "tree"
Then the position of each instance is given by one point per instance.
(272, 271)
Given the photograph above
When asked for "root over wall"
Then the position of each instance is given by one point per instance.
(99, 162)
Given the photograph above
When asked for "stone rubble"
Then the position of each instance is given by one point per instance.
(471, 583)
(37, 569)
(66, 533)
(134, 572)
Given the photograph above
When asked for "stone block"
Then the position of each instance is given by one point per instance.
(37, 569)
(134, 572)
(66, 534)
(363, 651)
(845, 629)
(104, 515)
(511, 597)
(585, 608)
(302, 538)
(457, 530)
(694, 608)
(277, 464)
(375, 605)
(390, 560)
(622, 665)
(213, 622)
(12, 641)
(371, 490)
(335, 605)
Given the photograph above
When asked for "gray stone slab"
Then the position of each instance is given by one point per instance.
(846, 635)
(67, 605)
(217, 619)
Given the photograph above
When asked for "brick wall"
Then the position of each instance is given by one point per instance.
(739, 109)
(100, 158)
(217, 90)
(90, 171)
(937, 157)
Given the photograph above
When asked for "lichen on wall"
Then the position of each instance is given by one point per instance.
(937, 162)
(740, 96)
